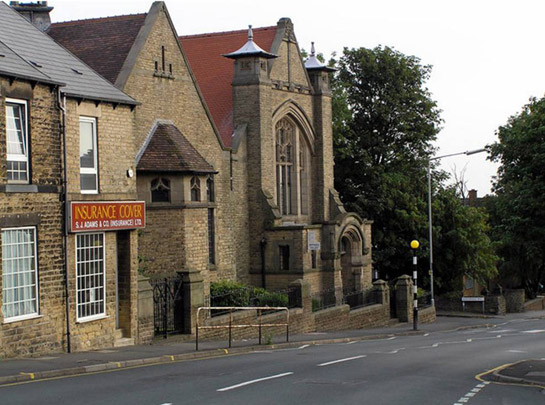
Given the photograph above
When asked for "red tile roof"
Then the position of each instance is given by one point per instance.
(102, 43)
(214, 73)
(169, 151)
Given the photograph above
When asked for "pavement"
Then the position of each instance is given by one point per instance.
(182, 348)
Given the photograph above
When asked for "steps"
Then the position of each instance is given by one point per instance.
(121, 341)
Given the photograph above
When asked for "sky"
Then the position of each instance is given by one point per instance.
(487, 56)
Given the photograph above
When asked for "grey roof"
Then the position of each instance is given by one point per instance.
(52, 60)
(250, 48)
(312, 63)
(13, 65)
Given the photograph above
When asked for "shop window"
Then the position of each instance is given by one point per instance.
(160, 190)
(19, 274)
(17, 161)
(90, 283)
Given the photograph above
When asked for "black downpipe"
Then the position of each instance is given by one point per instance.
(62, 106)
(263, 245)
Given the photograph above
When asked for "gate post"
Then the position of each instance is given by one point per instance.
(193, 298)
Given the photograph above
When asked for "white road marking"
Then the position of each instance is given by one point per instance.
(232, 387)
(303, 347)
(351, 343)
(534, 331)
(341, 360)
(471, 393)
(517, 351)
(426, 334)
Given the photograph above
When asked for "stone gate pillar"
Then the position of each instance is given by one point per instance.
(404, 298)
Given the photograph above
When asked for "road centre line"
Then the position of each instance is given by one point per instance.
(341, 360)
(232, 387)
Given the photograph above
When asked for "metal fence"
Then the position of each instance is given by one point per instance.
(354, 298)
(424, 301)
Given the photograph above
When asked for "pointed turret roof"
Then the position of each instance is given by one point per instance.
(250, 48)
(312, 63)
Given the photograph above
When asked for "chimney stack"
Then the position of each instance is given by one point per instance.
(36, 13)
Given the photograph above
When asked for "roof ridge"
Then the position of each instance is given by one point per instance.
(113, 17)
(234, 32)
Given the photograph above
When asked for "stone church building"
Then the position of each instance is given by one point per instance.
(233, 153)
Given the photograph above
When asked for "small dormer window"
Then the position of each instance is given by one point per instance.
(160, 190)
(195, 189)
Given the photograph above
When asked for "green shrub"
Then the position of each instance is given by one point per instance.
(228, 293)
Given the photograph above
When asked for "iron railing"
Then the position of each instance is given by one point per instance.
(167, 305)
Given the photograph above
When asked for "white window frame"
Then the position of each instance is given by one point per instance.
(88, 170)
(98, 315)
(25, 156)
(36, 313)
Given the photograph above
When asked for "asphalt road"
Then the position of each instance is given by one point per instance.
(438, 368)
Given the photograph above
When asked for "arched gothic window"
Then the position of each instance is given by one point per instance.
(160, 190)
(292, 169)
(195, 189)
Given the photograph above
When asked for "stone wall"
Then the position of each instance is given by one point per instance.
(36, 205)
(537, 304)
(302, 320)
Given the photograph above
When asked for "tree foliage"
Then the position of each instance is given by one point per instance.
(518, 210)
(384, 122)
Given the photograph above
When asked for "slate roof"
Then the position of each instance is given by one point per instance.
(102, 43)
(167, 150)
(13, 65)
(214, 73)
(54, 61)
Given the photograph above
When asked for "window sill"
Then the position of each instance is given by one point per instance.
(92, 318)
(22, 318)
(21, 188)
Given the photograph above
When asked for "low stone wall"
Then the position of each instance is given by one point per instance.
(427, 315)
(537, 304)
(302, 319)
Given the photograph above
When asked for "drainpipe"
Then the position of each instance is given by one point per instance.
(62, 107)
(263, 245)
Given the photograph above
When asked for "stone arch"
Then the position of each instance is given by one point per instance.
(351, 245)
(291, 109)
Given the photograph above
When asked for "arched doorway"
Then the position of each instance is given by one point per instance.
(351, 248)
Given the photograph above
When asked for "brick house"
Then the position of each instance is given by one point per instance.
(259, 120)
(67, 198)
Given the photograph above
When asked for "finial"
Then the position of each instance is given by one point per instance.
(312, 52)
(250, 33)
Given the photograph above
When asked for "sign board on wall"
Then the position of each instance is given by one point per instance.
(107, 215)
(313, 244)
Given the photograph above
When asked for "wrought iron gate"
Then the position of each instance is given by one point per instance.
(168, 306)
(393, 300)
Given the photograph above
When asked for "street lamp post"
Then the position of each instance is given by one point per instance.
(467, 153)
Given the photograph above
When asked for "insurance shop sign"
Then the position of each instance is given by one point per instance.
(107, 215)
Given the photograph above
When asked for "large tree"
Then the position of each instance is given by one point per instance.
(519, 209)
(384, 121)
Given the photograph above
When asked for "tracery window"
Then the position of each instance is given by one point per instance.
(160, 190)
(284, 165)
(195, 189)
(292, 169)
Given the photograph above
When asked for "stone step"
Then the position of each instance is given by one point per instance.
(122, 342)
(118, 334)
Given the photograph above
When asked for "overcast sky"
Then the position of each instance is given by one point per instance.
(487, 56)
